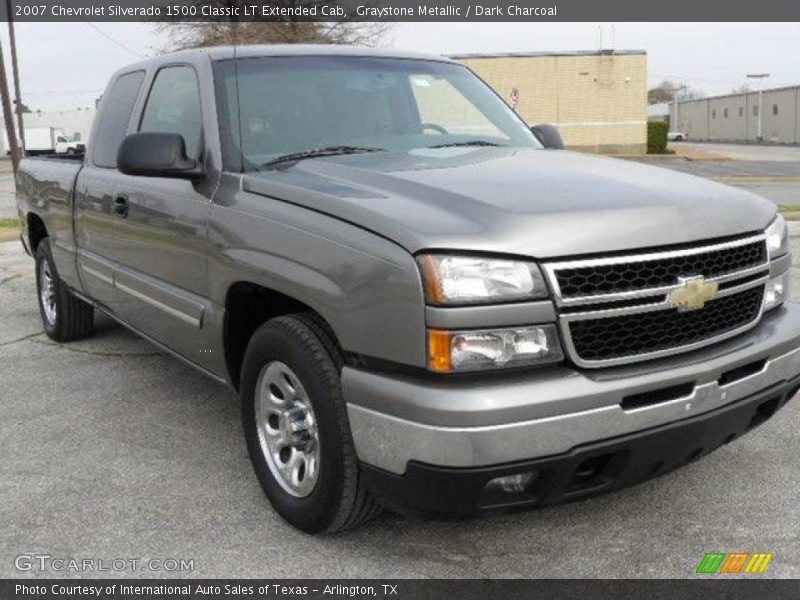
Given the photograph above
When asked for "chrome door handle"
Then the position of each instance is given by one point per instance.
(121, 206)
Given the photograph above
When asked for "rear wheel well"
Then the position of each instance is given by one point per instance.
(247, 307)
(36, 231)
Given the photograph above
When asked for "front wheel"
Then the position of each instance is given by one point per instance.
(296, 426)
(65, 316)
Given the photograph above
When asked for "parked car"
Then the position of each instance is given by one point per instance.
(677, 136)
(419, 304)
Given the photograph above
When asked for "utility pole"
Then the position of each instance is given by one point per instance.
(12, 40)
(760, 77)
(675, 93)
(8, 116)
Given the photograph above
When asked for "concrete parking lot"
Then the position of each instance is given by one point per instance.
(112, 449)
(8, 207)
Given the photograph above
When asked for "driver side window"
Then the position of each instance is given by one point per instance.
(173, 106)
(440, 103)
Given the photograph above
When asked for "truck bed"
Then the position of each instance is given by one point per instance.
(50, 155)
(45, 186)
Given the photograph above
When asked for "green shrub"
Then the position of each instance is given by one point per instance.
(657, 137)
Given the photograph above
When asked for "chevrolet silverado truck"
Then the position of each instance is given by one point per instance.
(422, 302)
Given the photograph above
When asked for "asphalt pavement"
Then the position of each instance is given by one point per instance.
(769, 171)
(112, 450)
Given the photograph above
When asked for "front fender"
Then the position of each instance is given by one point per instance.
(367, 288)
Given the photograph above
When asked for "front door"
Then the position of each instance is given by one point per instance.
(160, 246)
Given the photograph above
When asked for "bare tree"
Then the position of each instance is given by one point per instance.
(196, 35)
(665, 92)
(187, 34)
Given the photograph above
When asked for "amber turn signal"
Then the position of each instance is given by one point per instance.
(431, 281)
(439, 355)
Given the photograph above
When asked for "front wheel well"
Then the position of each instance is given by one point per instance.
(36, 231)
(247, 307)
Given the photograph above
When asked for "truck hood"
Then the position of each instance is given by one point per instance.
(529, 202)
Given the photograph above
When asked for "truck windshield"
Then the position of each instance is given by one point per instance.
(271, 107)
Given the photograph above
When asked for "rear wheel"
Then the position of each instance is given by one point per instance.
(65, 317)
(296, 426)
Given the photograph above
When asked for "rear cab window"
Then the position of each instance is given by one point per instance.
(115, 115)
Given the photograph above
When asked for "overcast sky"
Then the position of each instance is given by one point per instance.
(66, 65)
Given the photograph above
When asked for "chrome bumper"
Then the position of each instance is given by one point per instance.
(482, 422)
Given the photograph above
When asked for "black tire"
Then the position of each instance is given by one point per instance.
(339, 499)
(74, 318)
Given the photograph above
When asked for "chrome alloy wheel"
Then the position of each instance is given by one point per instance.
(287, 429)
(47, 293)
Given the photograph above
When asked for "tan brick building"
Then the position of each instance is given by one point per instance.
(597, 99)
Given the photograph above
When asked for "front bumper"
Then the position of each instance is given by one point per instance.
(583, 471)
(471, 422)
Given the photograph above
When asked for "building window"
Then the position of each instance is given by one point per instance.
(755, 110)
(725, 113)
(741, 111)
(774, 109)
(713, 114)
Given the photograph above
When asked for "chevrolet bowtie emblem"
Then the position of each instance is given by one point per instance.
(693, 293)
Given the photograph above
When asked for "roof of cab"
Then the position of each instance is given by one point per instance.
(252, 51)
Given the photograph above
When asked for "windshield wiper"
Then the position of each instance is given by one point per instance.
(315, 152)
(469, 143)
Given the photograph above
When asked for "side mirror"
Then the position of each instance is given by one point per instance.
(549, 136)
(156, 155)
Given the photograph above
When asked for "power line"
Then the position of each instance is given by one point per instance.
(117, 42)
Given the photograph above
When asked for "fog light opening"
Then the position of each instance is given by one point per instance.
(592, 473)
(516, 484)
(776, 291)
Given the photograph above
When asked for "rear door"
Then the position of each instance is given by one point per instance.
(160, 247)
(98, 184)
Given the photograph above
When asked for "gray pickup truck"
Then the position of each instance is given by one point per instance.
(421, 302)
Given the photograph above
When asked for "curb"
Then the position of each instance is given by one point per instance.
(9, 235)
(744, 179)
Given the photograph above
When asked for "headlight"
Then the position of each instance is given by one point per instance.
(475, 350)
(776, 292)
(454, 280)
(777, 237)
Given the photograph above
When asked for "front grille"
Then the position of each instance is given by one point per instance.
(616, 277)
(643, 333)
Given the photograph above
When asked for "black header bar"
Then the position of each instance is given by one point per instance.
(707, 587)
(404, 10)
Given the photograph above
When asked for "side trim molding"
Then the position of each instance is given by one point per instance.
(159, 305)
(97, 275)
